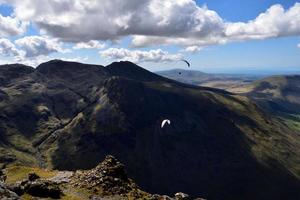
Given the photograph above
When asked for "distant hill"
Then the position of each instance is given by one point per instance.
(220, 145)
(221, 81)
(279, 95)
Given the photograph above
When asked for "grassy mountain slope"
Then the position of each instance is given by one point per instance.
(279, 95)
(69, 116)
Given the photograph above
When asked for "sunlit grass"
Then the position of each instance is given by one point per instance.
(18, 173)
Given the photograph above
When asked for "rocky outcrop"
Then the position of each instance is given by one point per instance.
(6, 194)
(2, 176)
(37, 187)
(108, 178)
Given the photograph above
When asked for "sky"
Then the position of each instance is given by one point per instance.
(219, 36)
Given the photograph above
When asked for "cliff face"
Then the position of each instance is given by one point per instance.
(69, 116)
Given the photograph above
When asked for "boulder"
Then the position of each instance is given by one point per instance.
(108, 178)
(43, 188)
(2, 176)
(37, 187)
(181, 196)
(6, 194)
(33, 176)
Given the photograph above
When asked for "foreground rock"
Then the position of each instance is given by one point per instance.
(37, 187)
(6, 194)
(108, 180)
(181, 196)
(2, 176)
(62, 177)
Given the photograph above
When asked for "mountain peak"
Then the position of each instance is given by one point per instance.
(20, 68)
(71, 71)
(55, 65)
(13, 71)
(132, 71)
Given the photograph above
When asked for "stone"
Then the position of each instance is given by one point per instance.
(37, 187)
(181, 196)
(43, 188)
(33, 176)
(2, 176)
(7, 194)
(109, 177)
(62, 177)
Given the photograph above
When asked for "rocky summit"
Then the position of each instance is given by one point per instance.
(69, 116)
(108, 180)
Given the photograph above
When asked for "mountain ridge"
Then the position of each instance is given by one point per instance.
(214, 136)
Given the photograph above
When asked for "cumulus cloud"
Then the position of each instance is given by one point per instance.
(137, 56)
(150, 22)
(275, 22)
(10, 26)
(34, 61)
(298, 45)
(39, 45)
(85, 20)
(8, 49)
(92, 44)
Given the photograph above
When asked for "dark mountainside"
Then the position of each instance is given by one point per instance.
(69, 116)
(278, 95)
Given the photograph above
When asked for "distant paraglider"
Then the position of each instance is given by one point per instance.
(189, 65)
(163, 123)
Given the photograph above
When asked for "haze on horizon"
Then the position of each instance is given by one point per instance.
(220, 37)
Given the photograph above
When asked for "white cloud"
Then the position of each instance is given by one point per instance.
(192, 49)
(92, 44)
(34, 61)
(150, 22)
(85, 20)
(39, 45)
(10, 26)
(12, 54)
(137, 56)
(144, 41)
(275, 22)
(8, 49)
(75, 59)
(298, 45)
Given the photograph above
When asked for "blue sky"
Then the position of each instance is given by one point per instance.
(245, 10)
(214, 35)
(265, 55)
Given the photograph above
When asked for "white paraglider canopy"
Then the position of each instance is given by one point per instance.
(163, 123)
